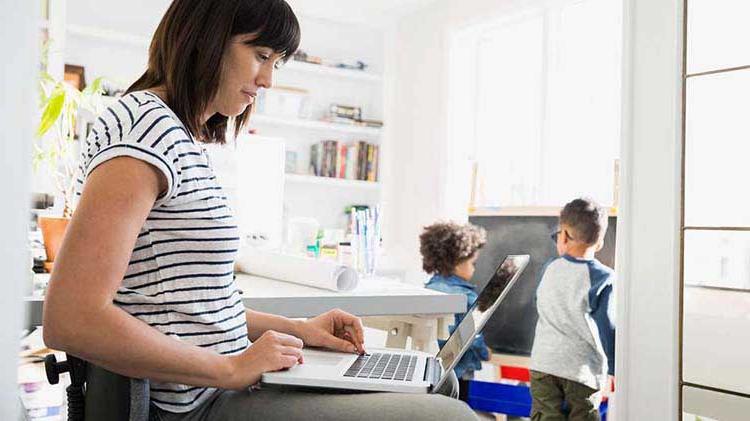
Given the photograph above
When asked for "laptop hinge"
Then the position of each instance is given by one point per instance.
(432, 371)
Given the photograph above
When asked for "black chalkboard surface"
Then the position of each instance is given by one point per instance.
(511, 328)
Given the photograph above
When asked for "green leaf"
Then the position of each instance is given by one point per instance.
(94, 88)
(52, 111)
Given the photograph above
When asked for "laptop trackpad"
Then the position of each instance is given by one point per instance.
(319, 358)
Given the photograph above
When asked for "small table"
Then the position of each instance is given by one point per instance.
(401, 309)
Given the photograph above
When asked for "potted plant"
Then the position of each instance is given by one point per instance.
(61, 105)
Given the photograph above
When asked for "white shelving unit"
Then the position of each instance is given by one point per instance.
(107, 35)
(330, 181)
(362, 75)
(314, 125)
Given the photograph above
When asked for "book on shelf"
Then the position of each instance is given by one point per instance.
(351, 161)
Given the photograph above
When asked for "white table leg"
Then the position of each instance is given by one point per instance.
(423, 330)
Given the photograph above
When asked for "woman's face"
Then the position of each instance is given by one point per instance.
(247, 68)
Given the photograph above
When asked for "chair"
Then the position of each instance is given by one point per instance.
(98, 394)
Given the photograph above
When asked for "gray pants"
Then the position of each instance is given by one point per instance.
(305, 404)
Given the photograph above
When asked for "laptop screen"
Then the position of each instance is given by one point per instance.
(488, 301)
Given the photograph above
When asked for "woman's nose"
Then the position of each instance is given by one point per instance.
(265, 77)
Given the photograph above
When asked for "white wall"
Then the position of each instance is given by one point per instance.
(649, 217)
(18, 42)
(426, 175)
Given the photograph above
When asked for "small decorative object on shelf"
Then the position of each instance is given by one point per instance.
(346, 114)
(353, 65)
(75, 75)
(284, 101)
(302, 56)
(290, 164)
(345, 111)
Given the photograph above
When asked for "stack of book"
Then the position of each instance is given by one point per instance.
(352, 161)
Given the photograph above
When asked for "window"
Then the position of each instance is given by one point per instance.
(716, 226)
(538, 99)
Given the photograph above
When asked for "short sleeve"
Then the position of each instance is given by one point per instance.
(150, 134)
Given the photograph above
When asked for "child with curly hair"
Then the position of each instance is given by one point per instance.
(449, 251)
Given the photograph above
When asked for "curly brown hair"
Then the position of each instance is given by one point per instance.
(444, 245)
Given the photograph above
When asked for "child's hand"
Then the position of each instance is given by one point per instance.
(609, 388)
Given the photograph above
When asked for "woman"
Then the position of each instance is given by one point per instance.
(143, 284)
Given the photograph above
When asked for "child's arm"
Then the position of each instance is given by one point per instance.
(603, 313)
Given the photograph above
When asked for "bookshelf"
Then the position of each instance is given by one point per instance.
(333, 182)
(333, 72)
(321, 126)
(107, 35)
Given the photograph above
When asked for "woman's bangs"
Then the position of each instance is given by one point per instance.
(274, 22)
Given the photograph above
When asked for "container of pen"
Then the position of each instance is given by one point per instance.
(366, 229)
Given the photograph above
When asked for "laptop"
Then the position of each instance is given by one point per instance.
(398, 370)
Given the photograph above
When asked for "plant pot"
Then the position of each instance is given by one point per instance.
(53, 231)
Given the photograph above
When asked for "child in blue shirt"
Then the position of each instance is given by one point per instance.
(574, 342)
(449, 251)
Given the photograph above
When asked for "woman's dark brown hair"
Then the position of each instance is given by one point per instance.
(445, 245)
(187, 51)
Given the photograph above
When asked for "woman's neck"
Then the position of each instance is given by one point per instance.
(161, 92)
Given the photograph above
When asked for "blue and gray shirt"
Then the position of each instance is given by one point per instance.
(575, 333)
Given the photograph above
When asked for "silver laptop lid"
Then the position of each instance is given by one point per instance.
(488, 301)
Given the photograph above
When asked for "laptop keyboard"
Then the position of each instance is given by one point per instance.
(383, 366)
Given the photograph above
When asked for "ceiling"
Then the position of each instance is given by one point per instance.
(368, 12)
(119, 15)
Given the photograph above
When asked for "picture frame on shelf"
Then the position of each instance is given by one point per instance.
(75, 75)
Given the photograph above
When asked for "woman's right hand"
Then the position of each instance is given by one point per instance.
(272, 351)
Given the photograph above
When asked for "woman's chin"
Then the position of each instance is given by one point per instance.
(234, 111)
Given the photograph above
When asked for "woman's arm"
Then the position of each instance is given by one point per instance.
(335, 329)
(259, 322)
(79, 316)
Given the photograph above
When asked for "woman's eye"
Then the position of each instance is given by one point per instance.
(263, 57)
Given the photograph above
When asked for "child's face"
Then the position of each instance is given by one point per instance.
(465, 269)
(564, 240)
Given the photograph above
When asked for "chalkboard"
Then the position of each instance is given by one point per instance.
(511, 328)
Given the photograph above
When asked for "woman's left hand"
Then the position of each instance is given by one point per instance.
(336, 330)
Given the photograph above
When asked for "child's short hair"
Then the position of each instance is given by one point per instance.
(444, 245)
(587, 218)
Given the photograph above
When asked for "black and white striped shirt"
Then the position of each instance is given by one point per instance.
(180, 276)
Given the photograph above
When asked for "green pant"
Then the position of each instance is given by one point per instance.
(549, 394)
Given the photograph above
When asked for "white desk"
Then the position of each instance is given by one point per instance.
(372, 297)
(412, 311)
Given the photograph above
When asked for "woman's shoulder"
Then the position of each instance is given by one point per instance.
(132, 111)
(142, 117)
